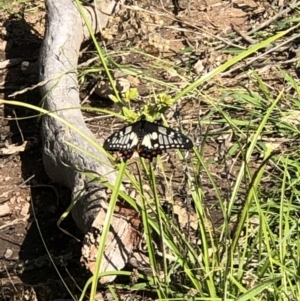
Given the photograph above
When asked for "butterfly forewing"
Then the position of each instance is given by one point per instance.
(147, 138)
(125, 138)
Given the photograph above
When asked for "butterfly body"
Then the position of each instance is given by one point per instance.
(147, 138)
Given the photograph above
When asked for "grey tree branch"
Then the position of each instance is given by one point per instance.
(65, 32)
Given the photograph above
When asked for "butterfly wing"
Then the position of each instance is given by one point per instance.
(158, 138)
(124, 140)
(147, 138)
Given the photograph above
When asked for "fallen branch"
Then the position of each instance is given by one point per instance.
(58, 64)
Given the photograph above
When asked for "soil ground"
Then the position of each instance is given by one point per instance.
(30, 203)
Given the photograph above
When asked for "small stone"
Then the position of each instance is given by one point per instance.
(25, 209)
(12, 200)
(4, 210)
(8, 253)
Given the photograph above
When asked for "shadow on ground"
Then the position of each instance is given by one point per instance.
(25, 267)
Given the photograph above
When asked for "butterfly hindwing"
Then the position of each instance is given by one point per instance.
(147, 138)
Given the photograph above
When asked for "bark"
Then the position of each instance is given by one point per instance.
(65, 31)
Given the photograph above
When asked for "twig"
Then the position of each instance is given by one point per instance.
(266, 23)
(263, 54)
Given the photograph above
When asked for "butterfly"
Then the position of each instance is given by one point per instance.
(147, 138)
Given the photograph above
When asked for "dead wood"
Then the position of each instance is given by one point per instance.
(65, 32)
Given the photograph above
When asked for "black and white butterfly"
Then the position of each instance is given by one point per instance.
(147, 138)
